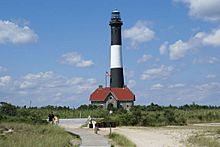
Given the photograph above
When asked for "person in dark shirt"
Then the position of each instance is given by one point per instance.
(50, 117)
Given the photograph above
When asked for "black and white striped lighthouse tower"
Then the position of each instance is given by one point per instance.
(117, 95)
(117, 77)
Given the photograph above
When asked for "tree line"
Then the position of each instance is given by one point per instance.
(139, 115)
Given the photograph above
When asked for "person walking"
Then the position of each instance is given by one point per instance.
(56, 120)
(50, 118)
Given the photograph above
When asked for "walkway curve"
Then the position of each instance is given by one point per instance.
(88, 137)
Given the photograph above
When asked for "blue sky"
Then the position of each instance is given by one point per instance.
(55, 52)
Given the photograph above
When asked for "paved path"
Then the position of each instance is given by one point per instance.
(88, 137)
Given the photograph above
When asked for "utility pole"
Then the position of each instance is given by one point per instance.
(30, 103)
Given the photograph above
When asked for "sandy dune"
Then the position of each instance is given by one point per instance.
(154, 137)
(174, 136)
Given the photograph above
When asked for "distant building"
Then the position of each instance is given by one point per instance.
(113, 97)
(117, 95)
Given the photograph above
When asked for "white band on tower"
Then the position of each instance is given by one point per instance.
(116, 56)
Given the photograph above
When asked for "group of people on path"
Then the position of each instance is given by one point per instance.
(53, 119)
(92, 124)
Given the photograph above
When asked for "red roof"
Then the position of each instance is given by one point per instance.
(121, 94)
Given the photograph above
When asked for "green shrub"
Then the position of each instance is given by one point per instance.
(8, 109)
(170, 117)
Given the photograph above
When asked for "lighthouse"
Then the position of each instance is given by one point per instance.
(117, 77)
(117, 95)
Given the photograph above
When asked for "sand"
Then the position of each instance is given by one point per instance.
(154, 137)
(170, 136)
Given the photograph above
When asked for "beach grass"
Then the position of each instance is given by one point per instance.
(27, 135)
(120, 140)
(204, 141)
(209, 137)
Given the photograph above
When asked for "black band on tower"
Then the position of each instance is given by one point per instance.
(117, 78)
(116, 35)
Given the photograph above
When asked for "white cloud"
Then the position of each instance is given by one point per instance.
(213, 60)
(27, 84)
(12, 33)
(161, 72)
(204, 88)
(5, 80)
(211, 76)
(85, 85)
(157, 86)
(39, 76)
(75, 59)
(139, 33)
(213, 38)
(144, 58)
(180, 94)
(180, 48)
(38, 80)
(178, 85)
(205, 60)
(208, 10)
(46, 88)
(131, 83)
(163, 48)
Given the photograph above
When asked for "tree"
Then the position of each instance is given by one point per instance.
(8, 109)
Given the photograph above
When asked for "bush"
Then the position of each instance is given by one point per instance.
(170, 117)
(8, 109)
(10, 113)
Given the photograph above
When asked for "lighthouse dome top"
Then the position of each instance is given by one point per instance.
(116, 14)
(115, 11)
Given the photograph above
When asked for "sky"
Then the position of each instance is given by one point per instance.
(57, 52)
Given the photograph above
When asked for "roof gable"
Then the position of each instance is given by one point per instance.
(99, 94)
(110, 95)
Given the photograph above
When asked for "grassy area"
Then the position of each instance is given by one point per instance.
(204, 141)
(209, 137)
(121, 140)
(27, 135)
